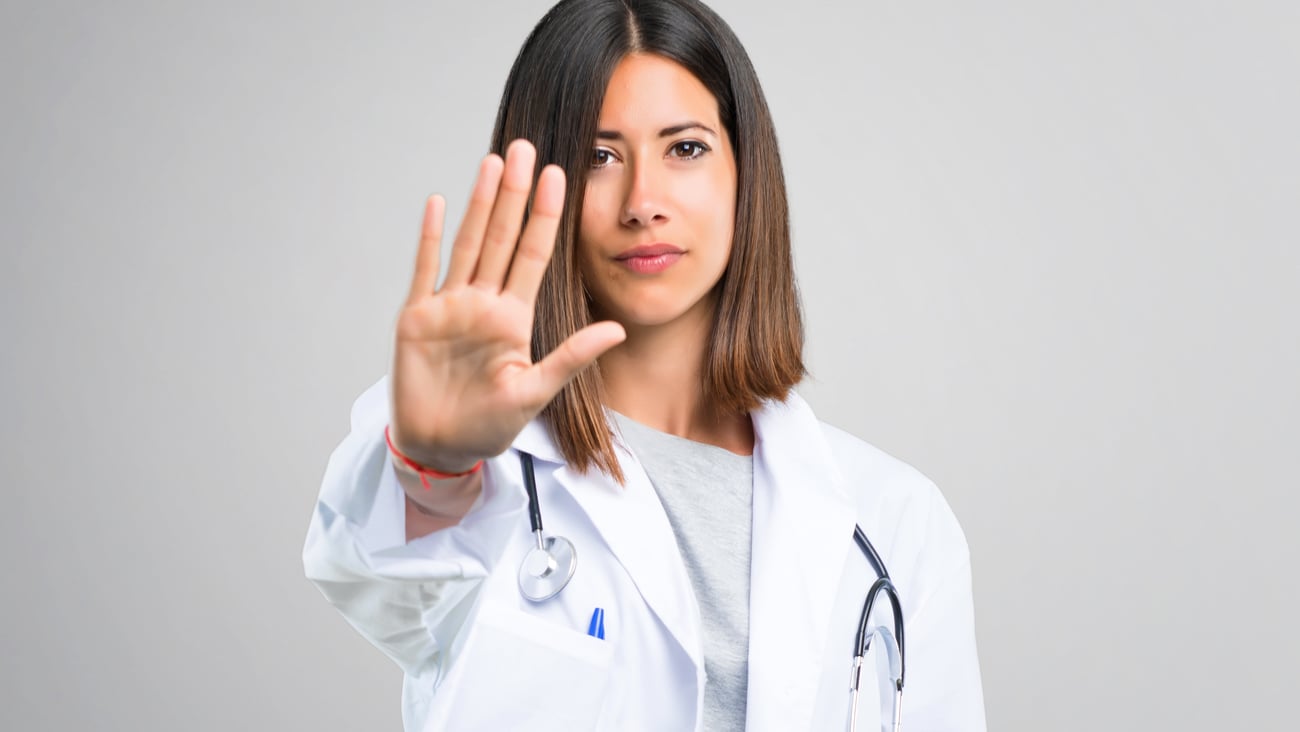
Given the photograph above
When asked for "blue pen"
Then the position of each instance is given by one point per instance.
(596, 627)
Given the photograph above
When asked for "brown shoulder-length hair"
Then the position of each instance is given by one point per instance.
(553, 98)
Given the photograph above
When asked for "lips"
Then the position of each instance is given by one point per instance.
(650, 258)
(648, 251)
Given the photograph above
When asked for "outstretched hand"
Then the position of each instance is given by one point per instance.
(463, 380)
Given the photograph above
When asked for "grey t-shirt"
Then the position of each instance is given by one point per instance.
(708, 494)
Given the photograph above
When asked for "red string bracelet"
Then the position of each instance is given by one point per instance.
(425, 472)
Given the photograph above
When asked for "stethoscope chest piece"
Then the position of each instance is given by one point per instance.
(547, 568)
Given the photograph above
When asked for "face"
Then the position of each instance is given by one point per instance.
(659, 208)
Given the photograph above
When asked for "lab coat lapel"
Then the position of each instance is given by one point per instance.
(802, 535)
(632, 522)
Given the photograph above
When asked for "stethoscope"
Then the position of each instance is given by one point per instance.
(549, 566)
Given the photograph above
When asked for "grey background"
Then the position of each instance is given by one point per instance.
(1048, 253)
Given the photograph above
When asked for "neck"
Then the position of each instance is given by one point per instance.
(655, 378)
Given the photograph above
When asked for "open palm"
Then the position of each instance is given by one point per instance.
(463, 380)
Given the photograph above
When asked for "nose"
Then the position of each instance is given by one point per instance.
(644, 204)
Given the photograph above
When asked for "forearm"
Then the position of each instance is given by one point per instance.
(442, 504)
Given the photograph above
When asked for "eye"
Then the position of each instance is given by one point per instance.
(688, 149)
(602, 157)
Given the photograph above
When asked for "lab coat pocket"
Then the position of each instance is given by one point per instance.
(519, 671)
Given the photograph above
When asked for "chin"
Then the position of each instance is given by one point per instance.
(653, 310)
(652, 319)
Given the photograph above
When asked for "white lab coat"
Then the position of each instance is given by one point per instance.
(478, 656)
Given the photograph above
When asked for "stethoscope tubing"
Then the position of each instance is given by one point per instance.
(530, 487)
(885, 584)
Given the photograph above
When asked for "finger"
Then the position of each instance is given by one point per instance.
(576, 353)
(502, 234)
(538, 241)
(469, 239)
(427, 258)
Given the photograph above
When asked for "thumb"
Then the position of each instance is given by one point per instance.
(576, 353)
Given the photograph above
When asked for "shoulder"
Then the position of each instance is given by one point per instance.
(900, 508)
(862, 463)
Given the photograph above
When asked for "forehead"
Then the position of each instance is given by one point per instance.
(649, 91)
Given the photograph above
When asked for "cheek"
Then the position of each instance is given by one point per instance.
(713, 208)
(588, 225)
(594, 220)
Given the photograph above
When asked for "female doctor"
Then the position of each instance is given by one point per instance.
(632, 353)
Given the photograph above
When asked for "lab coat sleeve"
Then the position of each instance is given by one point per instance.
(944, 690)
(410, 600)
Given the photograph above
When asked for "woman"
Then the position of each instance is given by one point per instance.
(639, 346)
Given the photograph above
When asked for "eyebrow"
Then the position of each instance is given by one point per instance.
(665, 132)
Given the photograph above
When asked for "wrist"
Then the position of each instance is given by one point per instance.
(425, 471)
